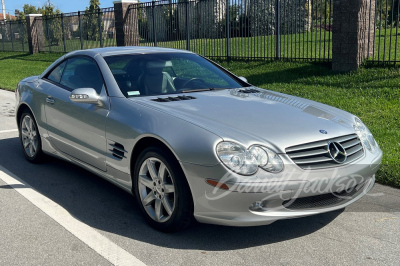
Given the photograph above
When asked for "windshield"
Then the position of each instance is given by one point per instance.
(158, 74)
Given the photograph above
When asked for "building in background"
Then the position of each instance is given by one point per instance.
(8, 17)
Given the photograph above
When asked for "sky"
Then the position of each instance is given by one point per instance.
(65, 6)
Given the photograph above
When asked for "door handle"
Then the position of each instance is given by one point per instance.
(50, 100)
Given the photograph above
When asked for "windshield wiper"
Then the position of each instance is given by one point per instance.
(197, 90)
(204, 89)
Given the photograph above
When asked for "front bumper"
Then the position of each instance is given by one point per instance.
(259, 199)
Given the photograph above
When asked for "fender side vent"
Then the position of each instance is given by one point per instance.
(249, 91)
(174, 99)
(118, 150)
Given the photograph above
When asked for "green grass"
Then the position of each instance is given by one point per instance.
(70, 45)
(370, 93)
(387, 45)
(315, 44)
(15, 66)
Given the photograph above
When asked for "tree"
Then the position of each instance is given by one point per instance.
(29, 9)
(91, 21)
(26, 10)
(394, 15)
(383, 12)
(52, 23)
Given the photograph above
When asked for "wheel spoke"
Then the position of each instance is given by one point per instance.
(146, 181)
(169, 188)
(167, 206)
(30, 124)
(24, 132)
(34, 145)
(26, 125)
(161, 172)
(151, 169)
(26, 143)
(31, 150)
(148, 199)
(157, 209)
(34, 134)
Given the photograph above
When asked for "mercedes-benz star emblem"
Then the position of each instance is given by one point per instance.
(337, 152)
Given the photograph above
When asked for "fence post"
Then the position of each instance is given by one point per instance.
(126, 22)
(63, 32)
(48, 33)
(154, 23)
(2, 35)
(33, 26)
(227, 31)
(80, 28)
(350, 36)
(11, 36)
(277, 30)
(187, 17)
(21, 26)
(100, 27)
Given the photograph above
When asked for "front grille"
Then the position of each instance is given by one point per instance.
(316, 155)
(324, 200)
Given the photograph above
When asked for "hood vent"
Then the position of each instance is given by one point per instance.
(174, 99)
(118, 150)
(249, 91)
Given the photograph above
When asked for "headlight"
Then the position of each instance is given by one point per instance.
(365, 135)
(246, 161)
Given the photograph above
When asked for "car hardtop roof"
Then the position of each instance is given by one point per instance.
(110, 51)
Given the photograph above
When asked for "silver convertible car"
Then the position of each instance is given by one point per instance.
(192, 141)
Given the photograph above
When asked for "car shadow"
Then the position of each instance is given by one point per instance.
(25, 56)
(104, 206)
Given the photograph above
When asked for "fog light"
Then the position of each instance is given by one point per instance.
(256, 206)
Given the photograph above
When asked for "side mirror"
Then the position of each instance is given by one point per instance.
(244, 79)
(84, 95)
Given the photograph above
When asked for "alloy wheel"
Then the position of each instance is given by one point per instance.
(156, 189)
(29, 136)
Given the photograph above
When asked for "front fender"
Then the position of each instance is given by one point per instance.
(30, 95)
(129, 122)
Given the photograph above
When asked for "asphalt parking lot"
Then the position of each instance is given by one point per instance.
(58, 214)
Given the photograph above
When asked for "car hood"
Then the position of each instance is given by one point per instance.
(259, 117)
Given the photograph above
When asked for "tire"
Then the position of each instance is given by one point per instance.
(169, 193)
(30, 138)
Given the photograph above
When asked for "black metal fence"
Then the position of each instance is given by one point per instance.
(386, 31)
(268, 29)
(13, 36)
(78, 30)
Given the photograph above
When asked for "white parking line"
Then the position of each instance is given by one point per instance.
(9, 130)
(99, 243)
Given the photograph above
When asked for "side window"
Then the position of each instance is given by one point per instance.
(56, 74)
(82, 73)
